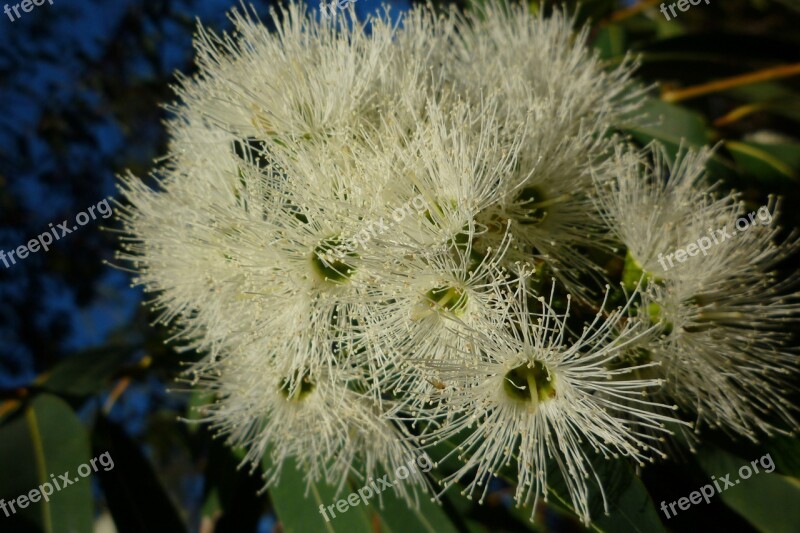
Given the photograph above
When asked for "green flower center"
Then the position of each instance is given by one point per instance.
(633, 272)
(531, 383)
(656, 314)
(329, 261)
(296, 392)
(437, 212)
(532, 205)
(450, 299)
(460, 239)
(636, 357)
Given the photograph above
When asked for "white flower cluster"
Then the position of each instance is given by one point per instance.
(479, 317)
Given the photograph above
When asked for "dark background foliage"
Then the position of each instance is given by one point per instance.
(83, 372)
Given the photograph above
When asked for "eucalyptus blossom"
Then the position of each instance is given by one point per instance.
(381, 239)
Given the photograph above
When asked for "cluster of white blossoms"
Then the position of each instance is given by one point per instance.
(518, 312)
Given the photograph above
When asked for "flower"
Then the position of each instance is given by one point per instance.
(350, 226)
(322, 423)
(654, 208)
(723, 353)
(534, 394)
(430, 304)
(244, 242)
(544, 72)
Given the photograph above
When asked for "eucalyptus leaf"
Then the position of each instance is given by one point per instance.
(768, 163)
(134, 493)
(634, 511)
(44, 441)
(396, 516)
(669, 123)
(88, 372)
(768, 500)
(675, 127)
(231, 494)
(611, 42)
(299, 506)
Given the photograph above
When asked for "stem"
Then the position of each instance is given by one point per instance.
(628, 12)
(118, 390)
(774, 73)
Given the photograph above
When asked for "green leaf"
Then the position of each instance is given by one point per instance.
(587, 12)
(634, 511)
(397, 517)
(674, 126)
(231, 493)
(629, 505)
(615, 477)
(211, 505)
(694, 57)
(299, 513)
(455, 503)
(610, 41)
(87, 373)
(762, 92)
(44, 441)
(445, 453)
(765, 499)
(196, 409)
(785, 452)
(670, 124)
(768, 163)
(135, 495)
(766, 97)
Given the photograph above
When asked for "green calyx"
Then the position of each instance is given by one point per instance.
(632, 272)
(296, 392)
(329, 261)
(530, 383)
(437, 213)
(533, 204)
(656, 315)
(636, 357)
(450, 299)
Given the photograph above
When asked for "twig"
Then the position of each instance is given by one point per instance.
(774, 73)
